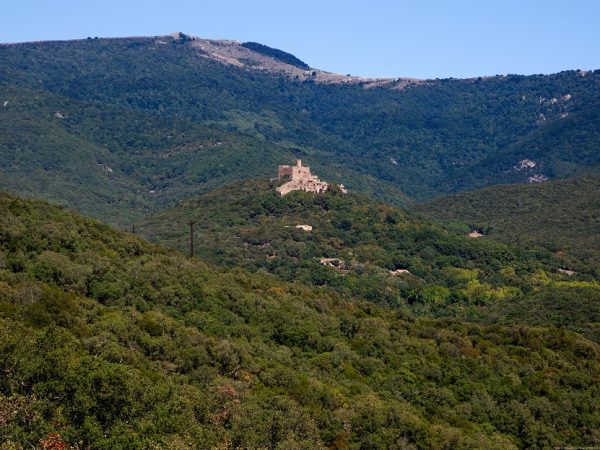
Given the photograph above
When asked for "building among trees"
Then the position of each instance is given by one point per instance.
(301, 179)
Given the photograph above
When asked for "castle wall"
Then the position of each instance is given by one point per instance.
(284, 171)
(302, 179)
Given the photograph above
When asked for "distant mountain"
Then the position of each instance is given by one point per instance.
(109, 342)
(561, 216)
(385, 137)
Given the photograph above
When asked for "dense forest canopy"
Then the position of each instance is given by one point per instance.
(250, 225)
(111, 342)
(562, 216)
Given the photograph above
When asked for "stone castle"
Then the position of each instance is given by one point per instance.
(301, 179)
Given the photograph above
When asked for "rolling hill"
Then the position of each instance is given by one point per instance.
(107, 342)
(348, 243)
(562, 216)
(118, 164)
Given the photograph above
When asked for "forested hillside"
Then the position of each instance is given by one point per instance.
(572, 143)
(366, 327)
(421, 139)
(109, 342)
(356, 246)
(118, 164)
(561, 216)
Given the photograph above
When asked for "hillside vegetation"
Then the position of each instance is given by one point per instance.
(276, 53)
(424, 139)
(110, 342)
(250, 225)
(373, 327)
(571, 142)
(118, 164)
(561, 216)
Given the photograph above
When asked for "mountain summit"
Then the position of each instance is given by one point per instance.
(259, 57)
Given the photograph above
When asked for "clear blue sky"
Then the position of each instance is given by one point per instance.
(424, 39)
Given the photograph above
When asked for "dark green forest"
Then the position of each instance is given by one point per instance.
(110, 342)
(560, 216)
(433, 137)
(118, 164)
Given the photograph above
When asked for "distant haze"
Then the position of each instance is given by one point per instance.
(380, 38)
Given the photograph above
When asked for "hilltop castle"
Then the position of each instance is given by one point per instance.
(301, 179)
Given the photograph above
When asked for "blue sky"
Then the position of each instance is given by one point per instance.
(423, 39)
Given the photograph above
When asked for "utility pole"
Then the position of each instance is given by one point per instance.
(133, 229)
(191, 223)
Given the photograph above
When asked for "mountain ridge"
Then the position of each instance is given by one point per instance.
(186, 36)
(429, 139)
(242, 55)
